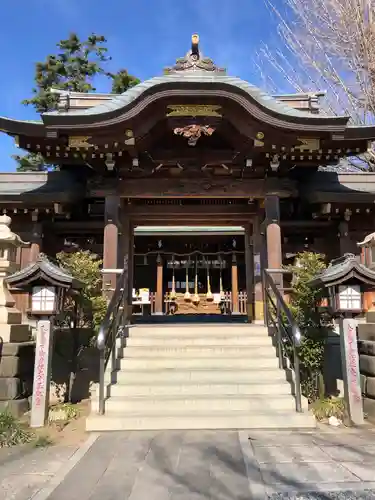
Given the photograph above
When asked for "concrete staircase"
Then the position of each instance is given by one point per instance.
(212, 376)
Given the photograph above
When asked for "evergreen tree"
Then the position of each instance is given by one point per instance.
(122, 81)
(31, 162)
(73, 68)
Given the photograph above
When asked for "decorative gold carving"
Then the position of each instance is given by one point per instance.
(258, 144)
(194, 132)
(194, 61)
(260, 136)
(80, 142)
(310, 143)
(194, 110)
(129, 133)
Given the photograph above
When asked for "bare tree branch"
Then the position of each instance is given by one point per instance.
(325, 45)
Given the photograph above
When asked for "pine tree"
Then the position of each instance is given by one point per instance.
(31, 162)
(122, 81)
(73, 68)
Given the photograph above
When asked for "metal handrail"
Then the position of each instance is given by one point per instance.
(114, 319)
(291, 334)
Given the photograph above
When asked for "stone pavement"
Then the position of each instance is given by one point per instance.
(200, 465)
(25, 471)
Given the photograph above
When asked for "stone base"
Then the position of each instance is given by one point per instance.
(369, 408)
(10, 388)
(24, 349)
(16, 407)
(15, 333)
(10, 316)
(367, 364)
(259, 310)
(366, 331)
(13, 366)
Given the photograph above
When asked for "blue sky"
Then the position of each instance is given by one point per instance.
(143, 36)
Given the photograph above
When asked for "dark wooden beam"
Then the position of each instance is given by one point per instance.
(198, 187)
(202, 156)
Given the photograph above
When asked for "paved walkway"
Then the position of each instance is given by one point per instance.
(25, 471)
(199, 466)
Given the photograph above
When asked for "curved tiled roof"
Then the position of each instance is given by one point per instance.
(201, 77)
(46, 270)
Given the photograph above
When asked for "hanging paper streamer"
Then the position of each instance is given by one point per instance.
(196, 298)
(221, 285)
(187, 295)
(209, 295)
(173, 295)
(221, 278)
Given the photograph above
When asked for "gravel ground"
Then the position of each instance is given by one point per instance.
(332, 495)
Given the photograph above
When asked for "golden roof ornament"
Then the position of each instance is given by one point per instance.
(194, 61)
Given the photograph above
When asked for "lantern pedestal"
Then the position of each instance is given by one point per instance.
(350, 370)
(11, 329)
(15, 352)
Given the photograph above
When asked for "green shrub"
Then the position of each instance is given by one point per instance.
(12, 432)
(328, 407)
(314, 328)
(43, 441)
(88, 308)
(85, 266)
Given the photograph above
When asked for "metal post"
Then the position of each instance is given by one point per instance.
(101, 381)
(297, 380)
(278, 333)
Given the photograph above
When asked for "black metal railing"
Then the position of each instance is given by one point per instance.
(114, 322)
(287, 333)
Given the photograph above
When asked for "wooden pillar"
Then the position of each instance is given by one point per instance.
(127, 250)
(110, 244)
(259, 249)
(235, 303)
(249, 264)
(345, 243)
(273, 237)
(159, 286)
(36, 241)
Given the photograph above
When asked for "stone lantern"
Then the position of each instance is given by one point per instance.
(11, 329)
(367, 247)
(16, 353)
(346, 280)
(47, 284)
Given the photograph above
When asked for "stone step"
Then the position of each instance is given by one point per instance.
(251, 374)
(196, 330)
(202, 389)
(215, 403)
(251, 353)
(220, 340)
(200, 420)
(239, 362)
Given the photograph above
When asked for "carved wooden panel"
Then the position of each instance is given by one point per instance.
(202, 187)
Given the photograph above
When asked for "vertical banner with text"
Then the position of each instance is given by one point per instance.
(42, 374)
(350, 369)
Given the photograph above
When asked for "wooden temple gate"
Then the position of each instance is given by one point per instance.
(124, 213)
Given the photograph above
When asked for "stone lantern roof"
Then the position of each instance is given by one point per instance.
(43, 269)
(342, 270)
